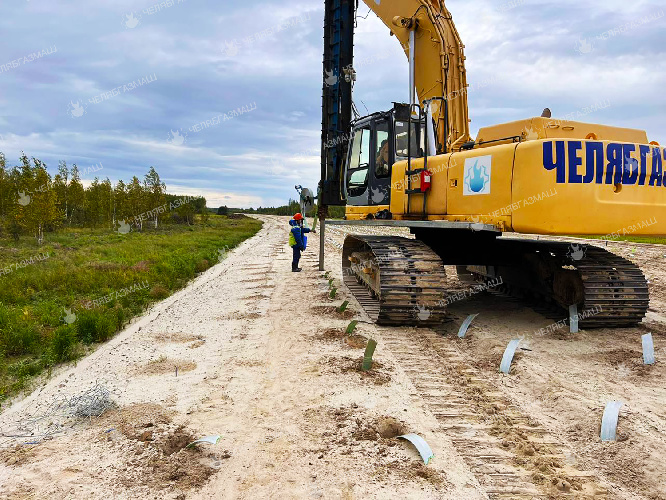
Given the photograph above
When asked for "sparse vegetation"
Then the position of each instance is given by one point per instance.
(91, 284)
(634, 239)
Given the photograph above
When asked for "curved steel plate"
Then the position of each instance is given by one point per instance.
(609, 420)
(510, 351)
(421, 446)
(465, 325)
(648, 349)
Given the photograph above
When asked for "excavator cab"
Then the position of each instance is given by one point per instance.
(377, 142)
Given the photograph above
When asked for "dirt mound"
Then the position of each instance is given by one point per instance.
(377, 374)
(331, 334)
(155, 449)
(16, 456)
(416, 469)
(336, 334)
(356, 341)
(139, 416)
(491, 361)
(177, 338)
(626, 460)
(332, 311)
(372, 439)
(389, 427)
(326, 297)
(166, 365)
(251, 363)
(175, 441)
(183, 469)
(380, 428)
(238, 316)
(619, 356)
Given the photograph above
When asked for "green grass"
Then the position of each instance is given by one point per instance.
(633, 239)
(129, 272)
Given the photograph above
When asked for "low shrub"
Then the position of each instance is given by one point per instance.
(202, 266)
(63, 344)
(19, 334)
(159, 292)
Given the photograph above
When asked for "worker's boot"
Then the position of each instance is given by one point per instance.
(296, 269)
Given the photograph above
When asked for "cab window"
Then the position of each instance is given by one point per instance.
(382, 150)
(401, 142)
(359, 163)
(359, 179)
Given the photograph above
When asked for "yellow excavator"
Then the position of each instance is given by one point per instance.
(417, 166)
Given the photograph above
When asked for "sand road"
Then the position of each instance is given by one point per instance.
(257, 355)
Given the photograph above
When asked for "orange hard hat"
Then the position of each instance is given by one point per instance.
(298, 217)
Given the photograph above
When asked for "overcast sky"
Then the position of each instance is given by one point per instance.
(197, 60)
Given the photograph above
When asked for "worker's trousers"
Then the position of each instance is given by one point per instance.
(297, 257)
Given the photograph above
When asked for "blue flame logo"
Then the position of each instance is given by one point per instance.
(477, 178)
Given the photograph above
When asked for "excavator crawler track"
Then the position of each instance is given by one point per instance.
(608, 290)
(614, 286)
(398, 281)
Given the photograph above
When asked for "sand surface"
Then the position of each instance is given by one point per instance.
(257, 355)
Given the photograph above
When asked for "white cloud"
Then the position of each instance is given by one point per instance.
(215, 198)
(528, 51)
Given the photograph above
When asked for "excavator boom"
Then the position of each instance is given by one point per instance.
(439, 62)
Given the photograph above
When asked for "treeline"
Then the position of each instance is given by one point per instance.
(32, 202)
(290, 209)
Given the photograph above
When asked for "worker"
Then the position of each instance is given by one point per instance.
(382, 163)
(297, 240)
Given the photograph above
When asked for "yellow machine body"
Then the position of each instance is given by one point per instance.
(562, 178)
(544, 176)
